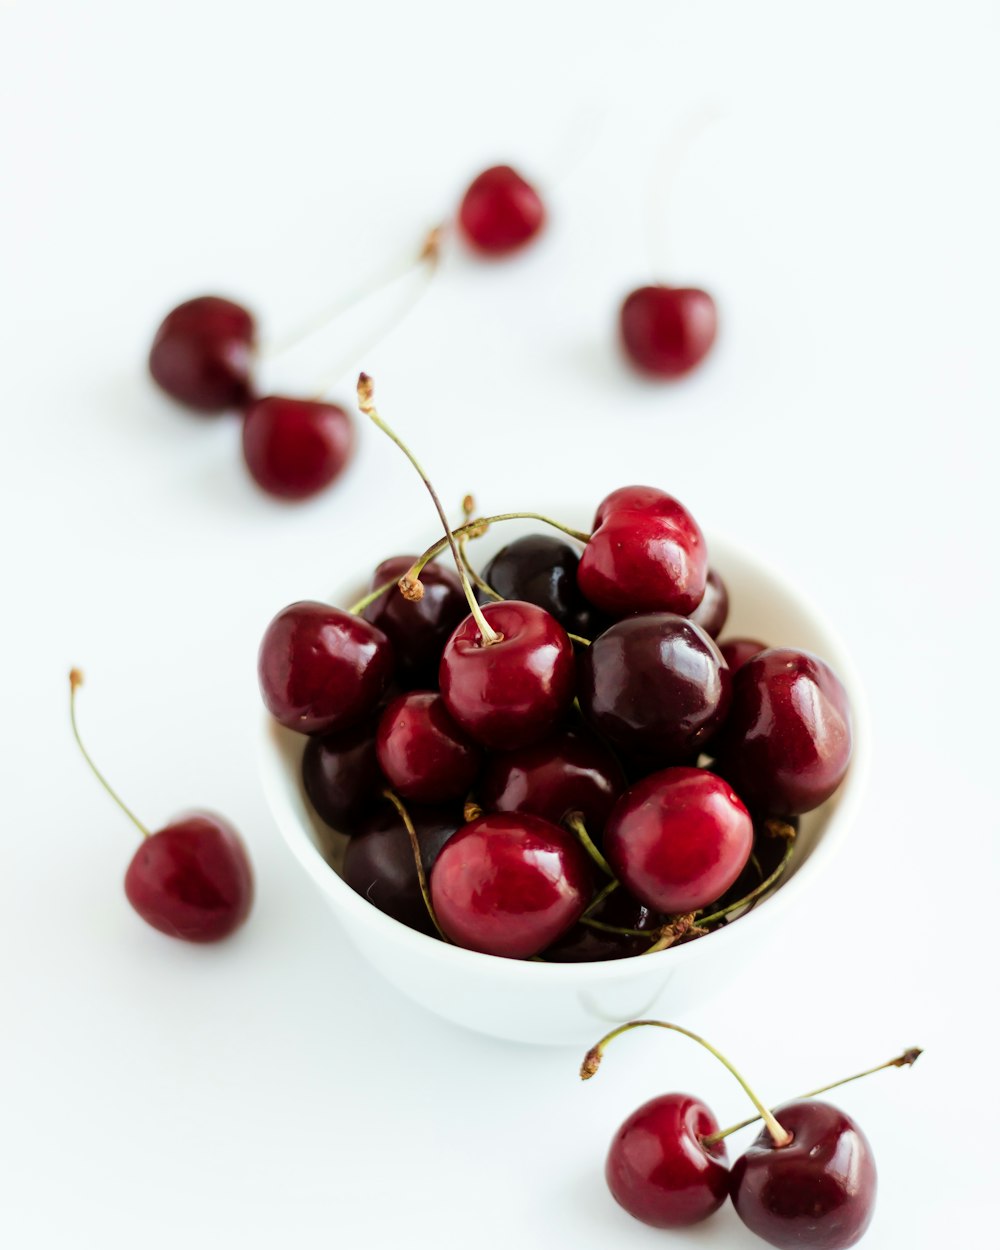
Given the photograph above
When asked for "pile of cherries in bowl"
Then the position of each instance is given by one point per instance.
(553, 758)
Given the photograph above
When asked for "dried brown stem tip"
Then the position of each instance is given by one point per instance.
(411, 588)
(591, 1062)
(75, 679)
(908, 1058)
(780, 829)
(366, 391)
(432, 244)
(472, 811)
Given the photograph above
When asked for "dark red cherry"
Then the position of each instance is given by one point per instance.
(817, 1192)
(736, 651)
(711, 613)
(500, 212)
(678, 839)
(666, 331)
(541, 569)
(570, 772)
(646, 554)
(203, 353)
(192, 879)
(296, 447)
(417, 630)
(586, 944)
(511, 693)
(423, 753)
(510, 885)
(341, 775)
(321, 668)
(787, 739)
(655, 686)
(379, 863)
(658, 1168)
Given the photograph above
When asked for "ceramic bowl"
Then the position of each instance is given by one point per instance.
(572, 1003)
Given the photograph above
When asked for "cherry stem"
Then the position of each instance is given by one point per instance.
(593, 1057)
(672, 932)
(575, 821)
(906, 1060)
(599, 898)
(474, 577)
(429, 253)
(404, 816)
(75, 682)
(366, 390)
(768, 882)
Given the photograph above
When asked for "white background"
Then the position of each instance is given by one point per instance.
(271, 1091)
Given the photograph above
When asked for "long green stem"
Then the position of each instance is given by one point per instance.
(404, 816)
(575, 821)
(75, 681)
(757, 891)
(905, 1060)
(592, 1061)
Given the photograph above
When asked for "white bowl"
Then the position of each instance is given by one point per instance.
(563, 1004)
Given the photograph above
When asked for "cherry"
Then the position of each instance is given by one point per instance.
(655, 686)
(192, 879)
(509, 885)
(423, 753)
(296, 447)
(203, 352)
(787, 741)
(571, 772)
(341, 775)
(541, 569)
(711, 613)
(516, 690)
(418, 629)
(646, 553)
(321, 668)
(679, 839)
(736, 651)
(596, 935)
(379, 862)
(665, 330)
(817, 1191)
(500, 211)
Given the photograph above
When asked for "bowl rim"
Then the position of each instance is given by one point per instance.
(274, 781)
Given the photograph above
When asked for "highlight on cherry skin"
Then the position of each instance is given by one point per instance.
(808, 1182)
(191, 879)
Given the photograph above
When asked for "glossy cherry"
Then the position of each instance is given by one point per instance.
(586, 943)
(321, 668)
(510, 885)
(203, 353)
(666, 331)
(341, 775)
(570, 772)
(817, 1192)
(424, 755)
(500, 211)
(514, 692)
(786, 743)
(658, 1168)
(541, 569)
(379, 863)
(417, 629)
(679, 839)
(655, 686)
(736, 651)
(645, 554)
(713, 610)
(296, 447)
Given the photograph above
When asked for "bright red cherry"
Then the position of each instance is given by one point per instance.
(786, 743)
(711, 613)
(678, 839)
(736, 651)
(646, 554)
(500, 212)
(510, 885)
(192, 879)
(514, 692)
(666, 331)
(423, 753)
(203, 353)
(321, 668)
(296, 447)
(341, 775)
(571, 772)
(417, 629)
(658, 1168)
(817, 1192)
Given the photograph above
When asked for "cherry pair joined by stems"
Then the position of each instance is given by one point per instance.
(192, 879)
(807, 1182)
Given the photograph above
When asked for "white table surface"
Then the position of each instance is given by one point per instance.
(272, 1091)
